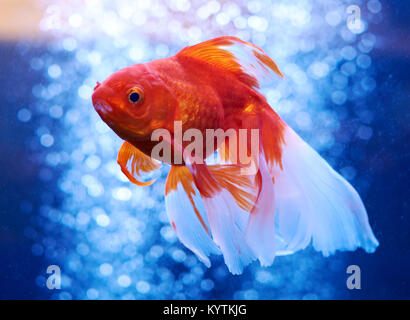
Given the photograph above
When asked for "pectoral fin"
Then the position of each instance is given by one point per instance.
(135, 164)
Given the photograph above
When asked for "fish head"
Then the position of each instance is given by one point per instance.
(134, 101)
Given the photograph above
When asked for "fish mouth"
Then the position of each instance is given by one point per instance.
(102, 108)
(100, 94)
(99, 101)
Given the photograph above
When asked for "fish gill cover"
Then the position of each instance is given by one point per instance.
(112, 239)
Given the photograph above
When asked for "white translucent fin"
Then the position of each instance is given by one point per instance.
(226, 221)
(260, 231)
(254, 61)
(315, 203)
(192, 230)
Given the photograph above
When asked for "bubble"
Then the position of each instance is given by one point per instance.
(310, 296)
(53, 90)
(136, 53)
(254, 6)
(240, 22)
(94, 187)
(123, 194)
(367, 42)
(348, 172)
(222, 19)
(94, 58)
(340, 81)
(56, 112)
(208, 9)
(318, 70)
(213, 6)
(162, 50)
(303, 120)
(47, 140)
(36, 63)
(64, 295)
(92, 294)
(168, 234)
(306, 45)
(85, 92)
(339, 97)
(194, 33)
(232, 10)
(348, 52)
(258, 23)
(365, 132)
(207, 284)
(273, 96)
(347, 35)
(156, 251)
(83, 218)
(180, 5)
(251, 295)
(103, 220)
(363, 61)
(143, 287)
(83, 249)
(42, 130)
(93, 162)
(179, 256)
(368, 83)
(69, 44)
(263, 276)
(106, 269)
(54, 71)
(24, 115)
(348, 68)
(68, 220)
(81, 55)
(159, 11)
(374, 6)
(124, 281)
(333, 18)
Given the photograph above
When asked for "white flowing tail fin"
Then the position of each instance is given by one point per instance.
(214, 209)
(314, 202)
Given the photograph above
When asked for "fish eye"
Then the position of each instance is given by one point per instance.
(135, 95)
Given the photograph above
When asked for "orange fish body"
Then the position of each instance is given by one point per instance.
(291, 199)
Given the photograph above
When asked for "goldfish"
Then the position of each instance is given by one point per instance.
(290, 199)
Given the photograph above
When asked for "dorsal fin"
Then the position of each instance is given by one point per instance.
(248, 62)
